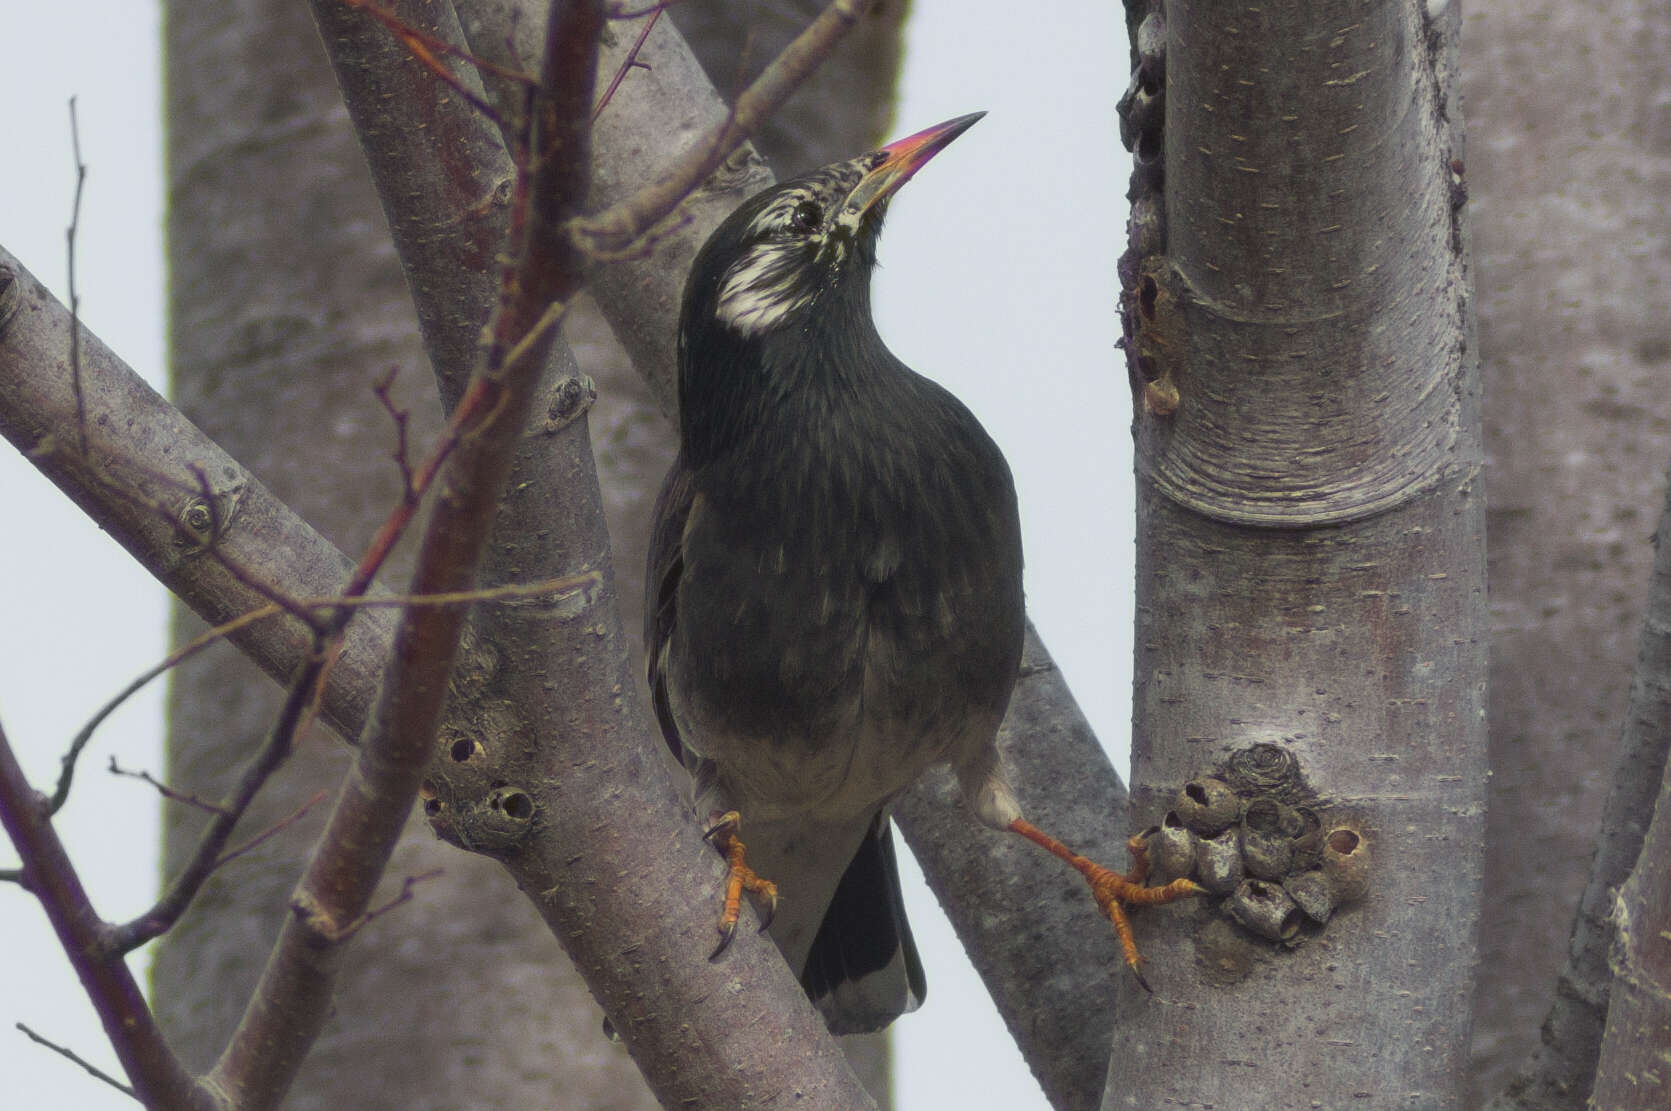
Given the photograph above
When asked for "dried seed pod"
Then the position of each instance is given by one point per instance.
(1265, 769)
(1267, 849)
(1313, 893)
(1267, 910)
(1218, 863)
(1346, 863)
(1307, 839)
(1208, 806)
(1171, 850)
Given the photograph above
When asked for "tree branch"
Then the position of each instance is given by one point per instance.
(158, 1077)
(618, 229)
(292, 1000)
(556, 675)
(211, 844)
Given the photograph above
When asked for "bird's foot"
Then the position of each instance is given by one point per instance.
(722, 832)
(1114, 891)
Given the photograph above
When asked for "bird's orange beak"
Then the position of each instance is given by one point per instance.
(893, 165)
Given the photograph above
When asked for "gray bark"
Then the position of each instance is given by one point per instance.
(1568, 201)
(846, 107)
(1311, 547)
(286, 303)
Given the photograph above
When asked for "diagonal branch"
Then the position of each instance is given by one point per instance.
(556, 810)
(292, 1000)
(620, 228)
(211, 845)
(158, 1078)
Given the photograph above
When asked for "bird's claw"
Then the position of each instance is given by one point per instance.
(1114, 891)
(722, 834)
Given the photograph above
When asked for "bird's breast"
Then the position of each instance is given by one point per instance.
(849, 608)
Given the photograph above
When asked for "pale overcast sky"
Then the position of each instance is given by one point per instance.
(997, 280)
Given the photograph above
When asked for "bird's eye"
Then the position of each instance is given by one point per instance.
(806, 218)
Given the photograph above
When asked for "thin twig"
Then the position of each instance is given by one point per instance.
(559, 587)
(158, 1076)
(75, 297)
(402, 419)
(405, 896)
(618, 227)
(619, 12)
(217, 528)
(425, 48)
(630, 61)
(273, 830)
(211, 844)
(292, 1000)
(72, 1055)
(166, 791)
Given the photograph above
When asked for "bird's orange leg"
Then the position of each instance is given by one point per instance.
(1112, 890)
(739, 877)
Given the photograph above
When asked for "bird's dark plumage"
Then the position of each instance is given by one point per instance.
(834, 590)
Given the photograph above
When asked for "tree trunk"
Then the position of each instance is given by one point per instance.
(1311, 592)
(1568, 202)
(286, 304)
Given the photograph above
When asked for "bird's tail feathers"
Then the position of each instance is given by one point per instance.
(863, 971)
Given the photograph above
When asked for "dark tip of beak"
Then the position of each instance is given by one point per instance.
(904, 157)
(914, 150)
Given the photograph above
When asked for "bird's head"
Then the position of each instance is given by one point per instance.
(790, 247)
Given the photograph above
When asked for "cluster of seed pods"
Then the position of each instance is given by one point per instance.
(1256, 838)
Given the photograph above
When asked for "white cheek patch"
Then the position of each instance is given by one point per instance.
(849, 219)
(762, 288)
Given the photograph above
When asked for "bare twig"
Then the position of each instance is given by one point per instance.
(402, 420)
(406, 887)
(211, 844)
(209, 510)
(628, 63)
(556, 587)
(72, 1055)
(426, 48)
(158, 1077)
(75, 297)
(292, 1000)
(167, 792)
(271, 831)
(614, 230)
(622, 12)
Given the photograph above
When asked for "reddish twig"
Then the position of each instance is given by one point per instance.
(402, 420)
(405, 896)
(292, 1000)
(628, 63)
(619, 12)
(158, 1077)
(211, 844)
(429, 50)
